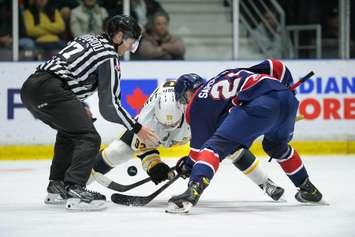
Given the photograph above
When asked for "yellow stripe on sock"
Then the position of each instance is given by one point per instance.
(106, 159)
(252, 167)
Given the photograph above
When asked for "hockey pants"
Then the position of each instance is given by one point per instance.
(77, 142)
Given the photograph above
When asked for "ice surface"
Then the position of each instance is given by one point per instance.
(231, 206)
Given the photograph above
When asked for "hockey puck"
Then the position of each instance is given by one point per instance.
(132, 170)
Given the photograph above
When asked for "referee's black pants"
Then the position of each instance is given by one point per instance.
(77, 142)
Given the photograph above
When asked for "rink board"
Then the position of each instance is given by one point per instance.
(327, 102)
(43, 152)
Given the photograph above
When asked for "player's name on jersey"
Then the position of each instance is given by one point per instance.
(93, 42)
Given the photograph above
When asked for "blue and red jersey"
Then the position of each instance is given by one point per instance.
(211, 103)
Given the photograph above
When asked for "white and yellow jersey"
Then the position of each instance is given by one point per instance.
(168, 136)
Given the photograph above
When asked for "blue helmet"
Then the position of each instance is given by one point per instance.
(187, 82)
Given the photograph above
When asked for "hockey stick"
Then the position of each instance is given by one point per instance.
(108, 183)
(303, 79)
(129, 200)
(294, 86)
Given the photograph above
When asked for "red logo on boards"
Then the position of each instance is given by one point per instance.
(137, 99)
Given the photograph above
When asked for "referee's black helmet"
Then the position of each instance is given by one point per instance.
(125, 24)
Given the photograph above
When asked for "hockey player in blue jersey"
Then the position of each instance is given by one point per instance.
(227, 113)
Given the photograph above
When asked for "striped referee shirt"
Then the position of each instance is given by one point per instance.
(90, 63)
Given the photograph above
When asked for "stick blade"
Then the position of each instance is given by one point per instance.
(123, 188)
(128, 200)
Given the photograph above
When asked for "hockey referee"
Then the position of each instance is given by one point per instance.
(54, 94)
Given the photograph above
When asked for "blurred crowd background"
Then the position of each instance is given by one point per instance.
(188, 29)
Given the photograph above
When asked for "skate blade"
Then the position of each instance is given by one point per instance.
(322, 202)
(174, 209)
(54, 199)
(75, 204)
(281, 200)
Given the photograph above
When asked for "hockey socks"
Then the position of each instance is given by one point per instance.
(117, 153)
(249, 165)
(101, 164)
(293, 167)
(207, 163)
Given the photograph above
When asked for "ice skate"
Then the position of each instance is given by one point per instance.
(184, 202)
(308, 193)
(80, 199)
(57, 194)
(272, 190)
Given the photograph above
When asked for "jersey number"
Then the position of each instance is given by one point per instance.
(72, 48)
(139, 145)
(225, 89)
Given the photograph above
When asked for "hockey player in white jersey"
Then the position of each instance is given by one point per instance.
(165, 117)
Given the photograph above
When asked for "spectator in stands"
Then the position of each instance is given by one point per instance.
(331, 24)
(141, 10)
(269, 37)
(113, 7)
(27, 44)
(44, 24)
(5, 39)
(157, 43)
(88, 17)
(65, 7)
(5, 30)
(330, 34)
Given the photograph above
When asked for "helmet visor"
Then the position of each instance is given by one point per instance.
(135, 44)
